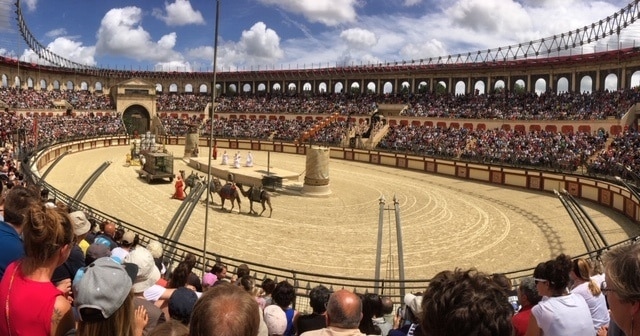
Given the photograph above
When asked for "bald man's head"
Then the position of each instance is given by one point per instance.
(344, 310)
(110, 229)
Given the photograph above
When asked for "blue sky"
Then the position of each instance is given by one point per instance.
(258, 34)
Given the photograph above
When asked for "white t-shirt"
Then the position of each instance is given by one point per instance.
(154, 293)
(597, 305)
(565, 315)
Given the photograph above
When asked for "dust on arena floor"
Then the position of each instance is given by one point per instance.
(446, 222)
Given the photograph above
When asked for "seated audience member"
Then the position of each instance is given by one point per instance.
(622, 288)
(170, 328)
(408, 322)
(268, 285)
(387, 309)
(31, 304)
(503, 281)
(145, 283)
(528, 297)
(284, 295)
(107, 236)
(81, 219)
(220, 271)
(104, 300)
(156, 250)
(225, 310)
(127, 243)
(248, 283)
(241, 270)
(96, 251)
(465, 303)
(181, 304)
(375, 303)
(318, 298)
(11, 245)
(91, 235)
(183, 274)
(276, 320)
(76, 258)
(344, 311)
(584, 286)
(370, 304)
(559, 312)
(208, 279)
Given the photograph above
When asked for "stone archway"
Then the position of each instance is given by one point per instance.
(136, 119)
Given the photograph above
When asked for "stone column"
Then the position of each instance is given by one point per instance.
(316, 180)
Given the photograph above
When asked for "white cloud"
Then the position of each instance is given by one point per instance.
(261, 42)
(202, 52)
(122, 34)
(359, 38)
(416, 51)
(56, 33)
(73, 51)
(179, 13)
(177, 66)
(327, 12)
(489, 15)
(258, 47)
(31, 4)
(409, 3)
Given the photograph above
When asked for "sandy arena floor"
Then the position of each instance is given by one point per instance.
(446, 222)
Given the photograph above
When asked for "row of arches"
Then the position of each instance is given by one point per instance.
(585, 84)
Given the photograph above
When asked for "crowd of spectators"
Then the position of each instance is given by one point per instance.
(524, 106)
(538, 149)
(26, 131)
(623, 153)
(45, 99)
(497, 146)
(502, 104)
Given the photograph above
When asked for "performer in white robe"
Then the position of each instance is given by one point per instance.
(236, 160)
(249, 162)
(225, 159)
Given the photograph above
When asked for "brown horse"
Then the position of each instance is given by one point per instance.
(228, 191)
(257, 194)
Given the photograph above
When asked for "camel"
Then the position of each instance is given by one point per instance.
(257, 194)
(229, 191)
(190, 181)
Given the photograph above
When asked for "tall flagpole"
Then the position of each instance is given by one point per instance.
(213, 107)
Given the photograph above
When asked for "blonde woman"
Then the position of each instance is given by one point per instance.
(584, 286)
(30, 303)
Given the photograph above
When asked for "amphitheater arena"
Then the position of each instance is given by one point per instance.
(447, 221)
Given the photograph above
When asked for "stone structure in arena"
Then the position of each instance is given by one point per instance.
(316, 179)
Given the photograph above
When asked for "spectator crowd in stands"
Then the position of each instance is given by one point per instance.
(545, 149)
(503, 104)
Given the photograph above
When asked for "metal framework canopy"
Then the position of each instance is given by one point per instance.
(591, 38)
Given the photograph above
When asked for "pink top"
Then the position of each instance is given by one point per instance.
(29, 304)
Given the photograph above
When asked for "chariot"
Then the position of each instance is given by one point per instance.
(156, 166)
